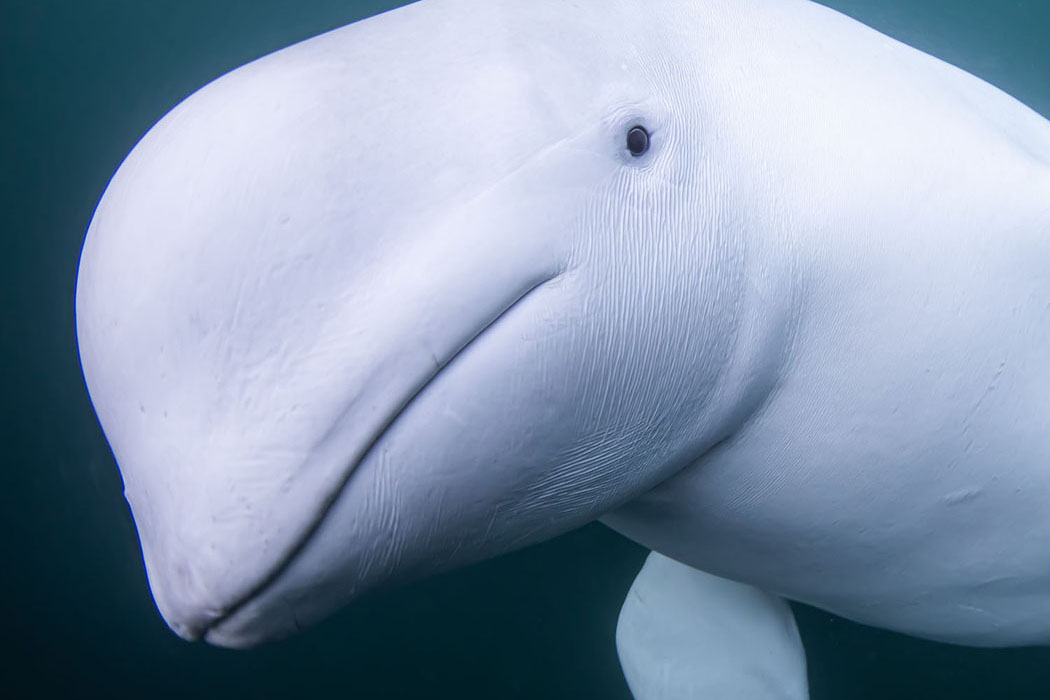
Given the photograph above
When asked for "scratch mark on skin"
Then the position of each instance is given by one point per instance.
(962, 496)
(992, 385)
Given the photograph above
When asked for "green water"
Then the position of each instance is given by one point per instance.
(79, 83)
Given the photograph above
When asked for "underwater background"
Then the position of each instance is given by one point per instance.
(80, 82)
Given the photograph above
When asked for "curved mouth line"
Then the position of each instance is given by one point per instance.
(293, 553)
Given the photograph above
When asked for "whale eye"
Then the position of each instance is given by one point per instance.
(637, 141)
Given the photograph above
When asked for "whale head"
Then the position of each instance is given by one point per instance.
(417, 292)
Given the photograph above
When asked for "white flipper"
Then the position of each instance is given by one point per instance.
(686, 634)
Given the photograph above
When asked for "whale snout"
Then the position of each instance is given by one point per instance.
(275, 272)
(181, 595)
(193, 613)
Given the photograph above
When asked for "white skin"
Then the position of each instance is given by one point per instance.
(399, 298)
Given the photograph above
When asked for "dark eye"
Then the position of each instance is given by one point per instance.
(637, 141)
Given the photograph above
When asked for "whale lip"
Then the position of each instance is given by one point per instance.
(219, 627)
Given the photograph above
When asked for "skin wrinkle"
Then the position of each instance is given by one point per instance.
(644, 382)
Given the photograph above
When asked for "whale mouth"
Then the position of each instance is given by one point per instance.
(214, 630)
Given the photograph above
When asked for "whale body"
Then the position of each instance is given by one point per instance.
(750, 282)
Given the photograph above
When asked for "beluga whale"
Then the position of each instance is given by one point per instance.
(751, 283)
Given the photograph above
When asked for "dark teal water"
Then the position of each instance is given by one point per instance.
(79, 83)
